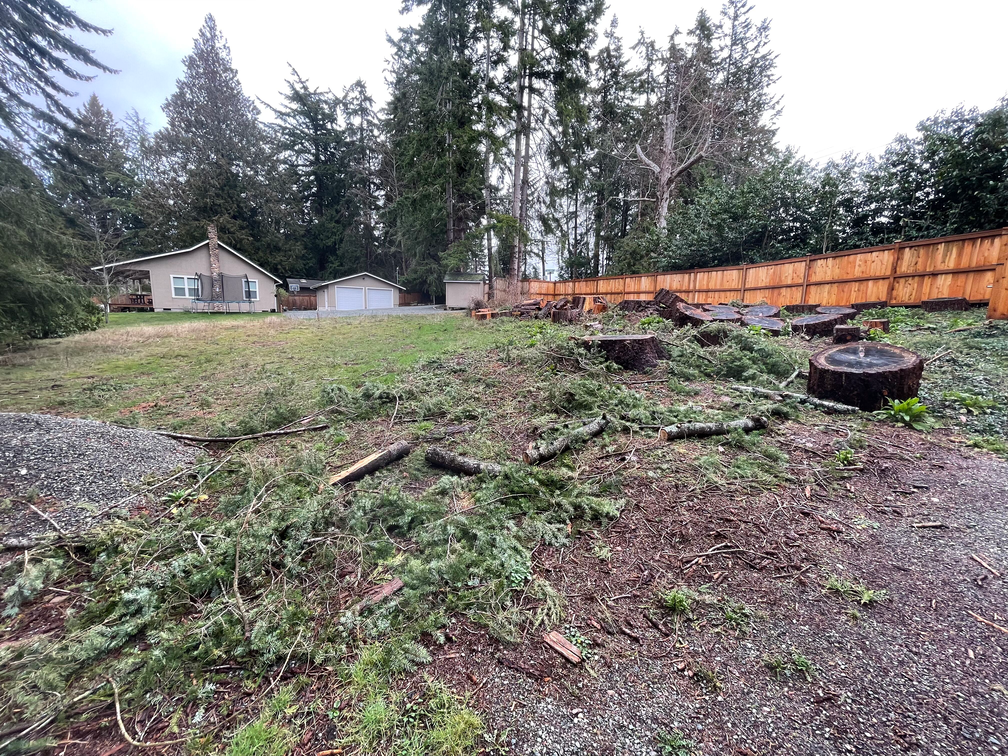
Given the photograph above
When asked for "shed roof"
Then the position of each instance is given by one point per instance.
(464, 278)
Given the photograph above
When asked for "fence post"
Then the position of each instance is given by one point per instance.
(804, 285)
(693, 286)
(892, 274)
(742, 295)
(997, 309)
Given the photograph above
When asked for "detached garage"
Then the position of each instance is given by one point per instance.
(362, 291)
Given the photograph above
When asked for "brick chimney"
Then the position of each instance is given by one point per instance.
(215, 269)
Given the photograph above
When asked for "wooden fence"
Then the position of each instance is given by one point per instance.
(302, 300)
(904, 273)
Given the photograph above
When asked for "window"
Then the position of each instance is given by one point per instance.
(185, 287)
(251, 289)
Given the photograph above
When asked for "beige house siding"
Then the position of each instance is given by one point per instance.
(161, 270)
(325, 296)
(458, 294)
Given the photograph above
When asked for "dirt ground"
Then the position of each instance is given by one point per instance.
(916, 673)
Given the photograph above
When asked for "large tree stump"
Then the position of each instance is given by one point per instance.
(865, 374)
(687, 315)
(566, 316)
(668, 298)
(724, 316)
(945, 303)
(633, 351)
(815, 325)
(712, 308)
(634, 305)
(843, 314)
(862, 306)
(763, 311)
(802, 309)
(773, 326)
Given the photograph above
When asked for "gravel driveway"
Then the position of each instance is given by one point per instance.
(419, 310)
(61, 462)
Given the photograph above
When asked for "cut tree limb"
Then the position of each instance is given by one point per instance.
(535, 455)
(702, 430)
(371, 463)
(824, 404)
(449, 460)
(235, 439)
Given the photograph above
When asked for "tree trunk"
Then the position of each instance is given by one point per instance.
(822, 404)
(534, 455)
(448, 460)
(865, 374)
(514, 266)
(703, 430)
(632, 351)
(371, 463)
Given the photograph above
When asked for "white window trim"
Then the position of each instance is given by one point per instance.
(186, 279)
(252, 281)
(367, 295)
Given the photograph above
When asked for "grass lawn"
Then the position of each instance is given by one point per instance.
(207, 372)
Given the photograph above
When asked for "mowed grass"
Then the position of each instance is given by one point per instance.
(205, 372)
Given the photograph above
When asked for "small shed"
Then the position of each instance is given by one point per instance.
(462, 288)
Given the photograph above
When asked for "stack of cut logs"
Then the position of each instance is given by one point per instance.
(564, 310)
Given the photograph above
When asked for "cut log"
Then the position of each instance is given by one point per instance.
(843, 314)
(449, 460)
(773, 326)
(530, 303)
(725, 316)
(863, 306)
(631, 351)
(846, 334)
(703, 430)
(712, 308)
(687, 315)
(802, 309)
(822, 404)
(547, 309)
(877, 324)
(668, 298)
(577, 303)
(566, 316)
(562, 304)
(635, 305)
(762, 311)
(371, 463)
(814, 325)
(865, 374)
(535, 455)
(236, 439)
(939, 304)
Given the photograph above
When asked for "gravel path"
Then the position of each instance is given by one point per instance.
(68, 462)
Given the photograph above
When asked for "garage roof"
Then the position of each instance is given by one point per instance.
(464, 278)
(362, 273)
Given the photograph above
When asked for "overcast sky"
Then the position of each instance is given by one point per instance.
(853, 74)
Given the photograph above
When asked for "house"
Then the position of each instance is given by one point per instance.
(208, 276)
(462, 288)
(361, 291)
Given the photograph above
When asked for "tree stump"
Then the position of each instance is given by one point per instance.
(668, 298)
(725, 316)
(632, 351)
(877, 324)
(634, 305)
(763, 311)
(846, 334)
(720, 308)
(865, 374)
(577, 303)
(802, 309)
(814, 325)
(566, 316)
(773, 326)
(844, 314)
(687, 315)
(945, 303)
(862, 306)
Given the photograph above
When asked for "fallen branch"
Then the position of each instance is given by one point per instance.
(986, 621)
(449, 460)
(928, 525)
(984, 564)
(235, 439)
(377, 594)
(371, 463)
(703, 430)
(533, 455)
(48, 519)
(122, 725)
(562, 646)
(823, 404)
(787, 381)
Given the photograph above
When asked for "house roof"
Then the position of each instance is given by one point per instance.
(305, 283)
(362, 273)
(234, 252)
(464, 278)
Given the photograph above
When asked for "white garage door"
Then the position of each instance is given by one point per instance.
(379, 298)
(349, 298)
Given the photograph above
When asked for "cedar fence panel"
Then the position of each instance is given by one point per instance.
(974, 266)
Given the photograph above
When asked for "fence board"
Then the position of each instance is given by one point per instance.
(905, 273)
